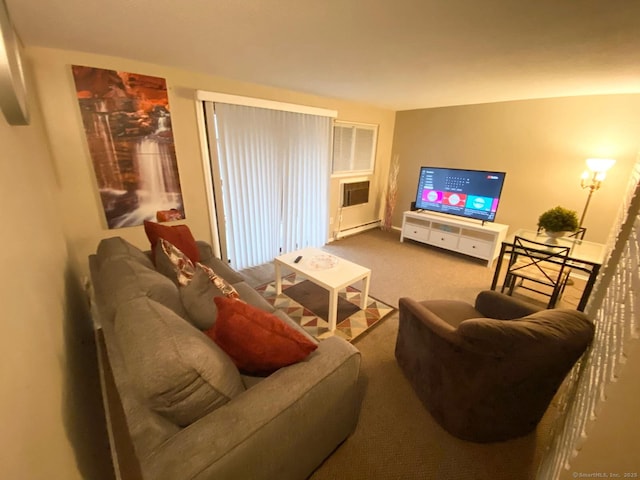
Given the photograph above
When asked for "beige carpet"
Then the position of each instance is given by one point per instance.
(414, 270)
(396, 438)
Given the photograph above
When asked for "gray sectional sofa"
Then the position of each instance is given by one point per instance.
(177, 406)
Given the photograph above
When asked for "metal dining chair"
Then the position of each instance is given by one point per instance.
(579, 235)
(538, 267)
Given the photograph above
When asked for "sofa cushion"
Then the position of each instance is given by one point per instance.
(218, 282)
(125, 279)
(178, 235)
(197, 297)
(257, 341)
(223, 269)
(118, 246)
(180, 372)
(250, 295)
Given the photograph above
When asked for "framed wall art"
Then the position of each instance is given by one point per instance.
(127, 123)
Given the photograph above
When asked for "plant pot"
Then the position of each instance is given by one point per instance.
(554, 236)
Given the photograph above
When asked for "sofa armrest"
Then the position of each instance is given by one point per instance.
(497, 305)
(266, 432)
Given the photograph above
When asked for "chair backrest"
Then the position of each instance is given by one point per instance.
(546, 260)
(579, 233)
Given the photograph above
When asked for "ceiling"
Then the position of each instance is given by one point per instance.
(396, 54)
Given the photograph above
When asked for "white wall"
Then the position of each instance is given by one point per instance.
(541, 144)
(46, 366)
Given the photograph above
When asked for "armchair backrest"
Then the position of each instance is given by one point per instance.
(558, 335)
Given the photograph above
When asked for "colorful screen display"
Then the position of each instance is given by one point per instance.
(466, 193)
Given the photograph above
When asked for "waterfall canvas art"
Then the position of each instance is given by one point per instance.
(127, 123)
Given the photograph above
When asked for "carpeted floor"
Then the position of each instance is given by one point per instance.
(396, 438)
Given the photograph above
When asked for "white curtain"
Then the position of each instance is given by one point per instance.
(274, 169)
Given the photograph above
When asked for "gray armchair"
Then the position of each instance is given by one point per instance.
(488, 372)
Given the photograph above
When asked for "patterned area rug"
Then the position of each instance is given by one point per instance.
(308, 304)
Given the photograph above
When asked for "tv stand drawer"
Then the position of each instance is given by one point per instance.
(415, 232)
(475, 248)
(444, 240)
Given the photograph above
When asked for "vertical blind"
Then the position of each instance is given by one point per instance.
(274, 170)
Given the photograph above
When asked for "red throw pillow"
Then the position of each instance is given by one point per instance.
(178, 235)
(257, 341)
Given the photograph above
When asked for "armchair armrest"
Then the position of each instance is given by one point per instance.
(427, 318)
(497, 305)
(266, 431)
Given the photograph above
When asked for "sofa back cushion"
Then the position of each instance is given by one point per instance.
(122, 279)
(223, 270)
(180, 372)
(117, 246)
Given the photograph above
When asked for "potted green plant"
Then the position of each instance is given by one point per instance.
(558, 220)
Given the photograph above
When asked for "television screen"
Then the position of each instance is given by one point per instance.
(466, 193)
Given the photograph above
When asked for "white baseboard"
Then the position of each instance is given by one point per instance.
(353, 230)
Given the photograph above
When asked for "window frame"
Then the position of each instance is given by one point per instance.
(352, 160)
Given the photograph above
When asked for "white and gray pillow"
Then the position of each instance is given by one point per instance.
(173, 263)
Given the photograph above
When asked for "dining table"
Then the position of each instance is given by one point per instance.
(584, 256)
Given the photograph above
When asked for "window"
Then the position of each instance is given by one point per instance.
(354, 148)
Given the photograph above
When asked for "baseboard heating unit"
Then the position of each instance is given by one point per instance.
(360, 228)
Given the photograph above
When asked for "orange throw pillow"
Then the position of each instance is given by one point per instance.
(257, 342)
(178, 235)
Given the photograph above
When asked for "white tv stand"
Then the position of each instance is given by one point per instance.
(458, 235)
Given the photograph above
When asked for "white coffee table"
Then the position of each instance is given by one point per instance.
(327, 271)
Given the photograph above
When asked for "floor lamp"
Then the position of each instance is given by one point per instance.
(592, 179)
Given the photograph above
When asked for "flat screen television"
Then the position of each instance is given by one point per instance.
(466, 193)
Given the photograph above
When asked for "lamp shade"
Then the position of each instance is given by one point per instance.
(600, 164)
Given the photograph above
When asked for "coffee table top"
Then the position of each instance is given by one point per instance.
(324, 268)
